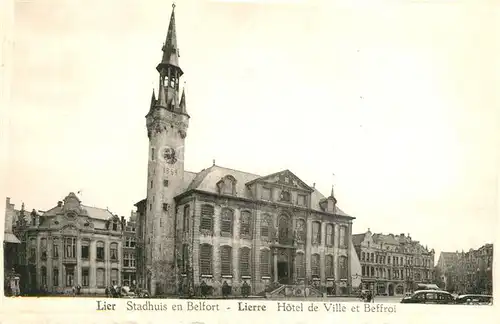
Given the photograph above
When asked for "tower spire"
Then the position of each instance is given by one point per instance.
(153, 99)
(170, 49)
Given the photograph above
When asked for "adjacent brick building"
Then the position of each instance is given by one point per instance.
(393, 264)
(226, 228)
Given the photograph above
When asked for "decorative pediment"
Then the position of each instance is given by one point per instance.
(284, 178)
(72, 207)
(69, 230)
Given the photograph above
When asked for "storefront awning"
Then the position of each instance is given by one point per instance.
(10, 238)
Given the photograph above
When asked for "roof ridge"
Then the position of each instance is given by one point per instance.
(221, 167)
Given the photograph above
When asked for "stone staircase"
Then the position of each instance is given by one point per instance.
(286, 291)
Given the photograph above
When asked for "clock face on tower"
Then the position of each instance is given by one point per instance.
(169, 155)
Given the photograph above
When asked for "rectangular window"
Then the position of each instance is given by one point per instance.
(100, 281)
(226, 226)
(43, 248)
(185, 258)
(205, 259)
(315, 268)
(85, 277)
(113, 251)
(187, 213)
(126, 262)
(55, 248)
(342, 238)
(329, 266)
(299, 265)
(114, 277)
(246, 225)
(206, 221)
(266, 194)
(165, 183)
(301, 200)
(316, 239)
(85, 249)
(55, 277)
(245, 261)
(70, 247)
(226, 261)
(70, 276)
(265, 263)
(329, 235)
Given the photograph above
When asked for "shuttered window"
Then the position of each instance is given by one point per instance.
(245, 223)
(226, 225)
(185, 223)
(245, 261)
(343, 267)
(264, 226)
(329, 235)
(226, 260)
(329, 266)
(299, 265)
(265, 263)
(205, 259)
(315, 265)
(207, 216)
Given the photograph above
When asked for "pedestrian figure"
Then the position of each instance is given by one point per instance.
(369, 296)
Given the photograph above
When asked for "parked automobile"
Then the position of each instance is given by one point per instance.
(126, 292)
(429, 297)
(474, 300)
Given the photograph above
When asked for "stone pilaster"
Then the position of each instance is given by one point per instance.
(216, 260)
(308, 249)
(236, 247)
(275, 264)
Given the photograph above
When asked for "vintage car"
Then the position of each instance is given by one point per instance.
(474, 300)
(429, 297)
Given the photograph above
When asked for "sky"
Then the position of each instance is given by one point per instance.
(394, 98)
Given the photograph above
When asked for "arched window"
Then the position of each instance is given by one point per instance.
(330, 239)
(205, 259)
(329, 266)
(185, 222)
(315, 267)
(113, 251)
(265, 224)
(100, 251)
(342, 237)
(301, 231)
(226, 260)
(265, 263)
(284, 229)
(343, 267)
(316, 238)
(206, 219)
(229, 185)
(245, 262)
(246, 224)
(285, 196)
(226, 224)
(300, 265)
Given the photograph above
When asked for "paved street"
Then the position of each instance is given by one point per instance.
(378, 299)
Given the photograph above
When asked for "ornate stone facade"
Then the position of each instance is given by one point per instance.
(393, 264)
(67, 246)
(199, 232)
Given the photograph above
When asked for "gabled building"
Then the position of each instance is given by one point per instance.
(392, 264)
(222, 230)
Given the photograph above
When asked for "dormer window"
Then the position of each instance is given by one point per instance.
(227, 185)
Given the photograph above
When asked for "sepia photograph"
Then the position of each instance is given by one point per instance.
(250, 150)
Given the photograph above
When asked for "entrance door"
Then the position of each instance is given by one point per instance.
(391, 290)
(283, 272)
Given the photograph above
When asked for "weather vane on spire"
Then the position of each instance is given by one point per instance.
(173, 4)
(333, 183)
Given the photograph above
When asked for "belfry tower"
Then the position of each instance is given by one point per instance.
(167, 123)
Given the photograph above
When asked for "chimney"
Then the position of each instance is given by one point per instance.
(59, 204)
(7, 202)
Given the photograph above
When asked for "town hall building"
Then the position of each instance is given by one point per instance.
(222, 231)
